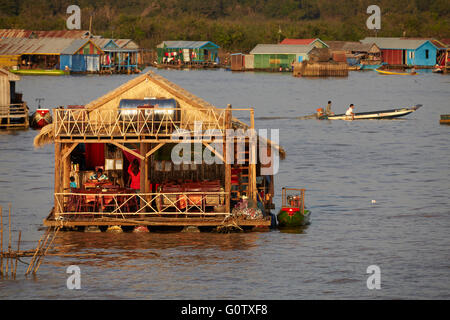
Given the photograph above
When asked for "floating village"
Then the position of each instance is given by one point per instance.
(114, 167)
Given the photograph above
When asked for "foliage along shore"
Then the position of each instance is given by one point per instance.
(235, 25)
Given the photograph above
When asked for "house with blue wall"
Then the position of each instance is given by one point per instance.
(116, 58)
(81, 55)
(407, 51)
(187, 52)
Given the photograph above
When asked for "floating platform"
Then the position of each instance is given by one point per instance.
(158, 222)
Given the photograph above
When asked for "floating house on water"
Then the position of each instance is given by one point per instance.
(22, 54)
(13, 111)
(135, 131)
(81, 55)
(276, 56)
(119, 56)
(407, 51)
(188, 53)
(356, 53)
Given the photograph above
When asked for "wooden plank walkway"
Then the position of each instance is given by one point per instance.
(14, 117)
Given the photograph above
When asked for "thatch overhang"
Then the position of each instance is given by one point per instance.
(150, 84)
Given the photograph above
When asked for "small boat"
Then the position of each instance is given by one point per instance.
(40, 118)
(364, 66)
(293, 212)
(39, 72)
(396, 73)
(445, 119)
(382, 114)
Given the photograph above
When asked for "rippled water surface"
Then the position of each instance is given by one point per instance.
(402, 164)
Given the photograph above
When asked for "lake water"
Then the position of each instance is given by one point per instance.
(402, 164)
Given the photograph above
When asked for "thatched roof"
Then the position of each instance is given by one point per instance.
(148, 85)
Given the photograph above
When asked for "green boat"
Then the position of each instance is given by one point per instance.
(39, 72)
(293, 212)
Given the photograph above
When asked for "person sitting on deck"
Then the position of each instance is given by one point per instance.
(135, 175)
(99, 175)
(328, 111)
(350, 112)
(73, 184)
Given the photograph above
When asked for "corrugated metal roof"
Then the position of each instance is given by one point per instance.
(184, 44)
(395, 43)
(17, 46)
(74, 46)
(298, 41)
(11, 76)
(102, 42)
(69, 34)
(126, 43)
(22, 33)
(281, 49)
(15, 33)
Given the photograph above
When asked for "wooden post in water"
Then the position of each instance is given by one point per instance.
(57, 174)
(252, 157)
(227, 159)
(1, 241)
(17, 258)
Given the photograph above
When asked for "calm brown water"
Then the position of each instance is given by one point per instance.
(402, 164)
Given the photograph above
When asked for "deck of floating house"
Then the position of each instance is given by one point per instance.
(13, 111)
(197, 194)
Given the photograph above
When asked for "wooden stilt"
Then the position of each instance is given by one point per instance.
(9, 240)
(1, 244)
(252, 160)
(227, 164)
(17, 258)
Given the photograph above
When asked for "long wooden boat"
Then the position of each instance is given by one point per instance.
(382, 114)
(39, 72)
(445, 119)
(293, 212)
(396, 73)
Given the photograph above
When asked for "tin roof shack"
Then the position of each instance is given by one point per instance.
(43, 53)
(194, 53)
(320, 64)
(406, 51)
(13, 111)
(119, 56)
(81, 56)
(355, 52)
(219, 163)
(279, 57)
(317, 43)
(237, 62)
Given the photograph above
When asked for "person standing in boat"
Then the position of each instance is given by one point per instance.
(350, 112)
(328, 111)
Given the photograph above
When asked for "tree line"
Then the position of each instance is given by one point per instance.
(235, 25)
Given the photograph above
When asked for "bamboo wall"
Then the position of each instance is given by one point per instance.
(320, 69)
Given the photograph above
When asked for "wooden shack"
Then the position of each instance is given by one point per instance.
(139, 124)
(320, 64)
(13, 111)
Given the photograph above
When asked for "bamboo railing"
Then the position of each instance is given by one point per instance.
(162, 122)
(190, 203)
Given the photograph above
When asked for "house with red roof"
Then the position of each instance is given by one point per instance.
(305, 42)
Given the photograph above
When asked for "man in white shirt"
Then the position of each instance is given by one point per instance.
(350, 112)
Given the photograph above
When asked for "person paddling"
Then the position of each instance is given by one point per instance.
(328, 111)
(350, 112)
